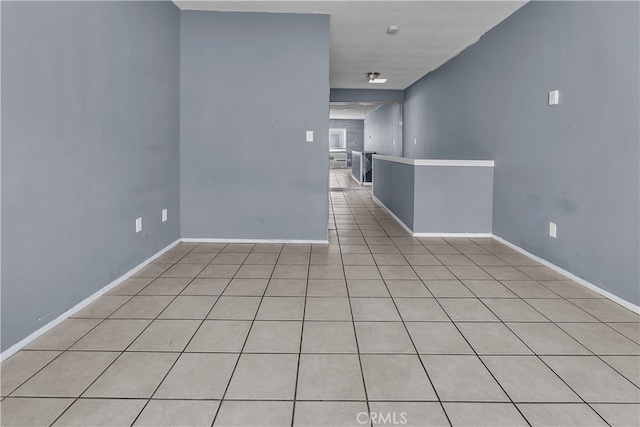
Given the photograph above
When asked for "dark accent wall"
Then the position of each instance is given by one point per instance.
(577, 163)
(355, 134)
(382, 130)
(90, 135)
(252, 84)
(366, 95)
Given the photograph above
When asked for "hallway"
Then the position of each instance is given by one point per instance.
(428, 331)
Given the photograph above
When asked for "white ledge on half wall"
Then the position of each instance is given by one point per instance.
(435, 162)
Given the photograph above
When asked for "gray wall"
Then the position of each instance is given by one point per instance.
(393, 185)
(453, 199)
(90, 133)
(355, 134)
(366, 95)
(576, 163)
(247, 171)
(382, 130)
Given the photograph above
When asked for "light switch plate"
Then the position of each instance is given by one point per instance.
(164, 215)
(553, 229)
(554, 97)
(309, 136)
(138, 225)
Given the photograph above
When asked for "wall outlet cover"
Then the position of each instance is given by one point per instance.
(553, 229)
(138, 225)
(554, 97)
(164, 215)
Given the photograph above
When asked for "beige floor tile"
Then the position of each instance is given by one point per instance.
(462, 378)
(628, 366)
(593, 379)
(326, 258)
(438, 338)
(358, 259)
(488, 289)
(492, 338)
(206, 287)
(131, 286)
(327, 288)
(328, 309)
(169, 257)
(560, 310)
(21, 411)
(246, 287)
(487, 260)
(64, 335)
(390, 259)
(21, 366)
(235, 308)
(469, 272)
(484, 415)
(601, 339)
(152, 270)
(184, 270)
(264, 258)
(330, 377)
(189, 307)
(367, 288)
(219, 271)
(374, 309)
(101, 412)
(570, 289)
(254, 413)
(283, 271)
(397, 272)
(281, 308)
(267, 248)
(570, 414)
(454, 259)
(619, 415)
(286, 288)
(355, 249)
(448, 288)
(170, 413)
(112, 334)
(132, 375)
(238, 247)
(274, 337)
(230, 258)
(547, 338)
(606, 310)
(467, 310)
(197, 258)
(434, 272)
(220, 336)
(166, 286)
(529, 289)
(396, 377)
(338, 414)
(142, 307)
(198, 376)
(383, 337)
(513, 310)
(409, 414)
(166, 335)
(359, 272)
(55, 379)
(248, 271)
(518, 260)
(294, 258)
(264, 376)
(526, 379)
(328, 337)
(102, 307)
(420, 310)
(505, 273)
(408, 288)
(629, 330)
(421, 259)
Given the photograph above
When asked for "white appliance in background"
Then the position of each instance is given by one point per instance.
(337, 159)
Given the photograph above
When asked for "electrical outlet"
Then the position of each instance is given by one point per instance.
(309, 136)
(554, 97)
(553, 229)
(138, 225)
(415, 141)
(164, 215)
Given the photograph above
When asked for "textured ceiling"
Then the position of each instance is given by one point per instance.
(431, 33)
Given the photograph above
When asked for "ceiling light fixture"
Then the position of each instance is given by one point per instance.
(374, 77)
(393, 29)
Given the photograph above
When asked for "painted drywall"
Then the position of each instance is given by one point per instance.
(382, 130)
(90, 142)
(355, 134)
(393, 185)
(577, 163)
(366, 95)
(453, 199)
(252, 84)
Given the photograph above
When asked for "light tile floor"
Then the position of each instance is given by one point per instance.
(412, 331)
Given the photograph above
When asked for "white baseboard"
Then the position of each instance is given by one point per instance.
(82, 304)
(568, 275)
(205, 240)
(408, 230)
